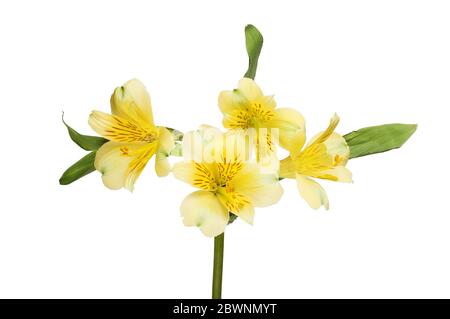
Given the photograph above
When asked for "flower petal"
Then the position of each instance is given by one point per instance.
(162, 164)
(337, 174)
(122, 163)
(230, 101)
(200, 175)
(312, 192)
(323, 136)
(249, 89)
(165, 141)
(119, 129)
(246, 213)
(291, 129)
(260, 188)
(265, 149)
(132, 102)
(203, 209)
(287, 168)
(184, 171)
(338, 148)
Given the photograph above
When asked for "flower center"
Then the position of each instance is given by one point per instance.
(252, 116)
(213, 176)
(149, 137)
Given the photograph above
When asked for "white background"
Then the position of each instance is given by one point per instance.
(387, 235)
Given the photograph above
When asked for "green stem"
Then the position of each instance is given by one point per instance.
(218, 266)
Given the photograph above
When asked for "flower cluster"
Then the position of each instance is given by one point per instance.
(233, 171)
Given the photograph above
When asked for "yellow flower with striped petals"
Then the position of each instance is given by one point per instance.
(324, 157)
(227, 183)
(133, 137)
(247, 108)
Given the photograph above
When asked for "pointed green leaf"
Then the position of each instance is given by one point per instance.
(86, 142)
(81, 168)
(377, 139)
(253, 42)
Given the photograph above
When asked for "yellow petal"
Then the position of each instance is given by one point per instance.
(184, 171)
(312, 192)
(326, 160)
(337, 174)
(122, 163)
(337, 147)
(119, 129)
(200, 175)
(162, 164)
(165, 141)
(230, 101)
(287, 168)
(291, 129)
(249, 89)
(265, 148)
(203, 209)
(322, 137)
(132, 102)
(246, 213)
(260, 188)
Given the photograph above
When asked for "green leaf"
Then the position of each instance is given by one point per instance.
(377, 139)
(253, 42)
(86, 142)
(81, 168)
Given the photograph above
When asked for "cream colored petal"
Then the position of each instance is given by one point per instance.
(184, 171)
(132, 102)
(323, 136)
(122, 163)
(338, 148)
(312, 192)
(112, 164)
(162, 165)
(260, 188)
(267, 102)
(338, 174)
(291, 129)
(248, 88)
(203, 209)
(119, 129)
(246, 213)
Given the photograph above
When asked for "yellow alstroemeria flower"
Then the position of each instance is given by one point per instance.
(324, 157)
(215, 163)
(133, 137)
(248, 108)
